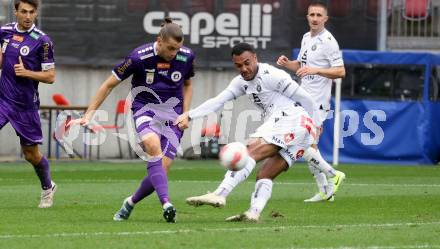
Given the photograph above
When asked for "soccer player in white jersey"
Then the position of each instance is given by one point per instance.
(290, 124)
(319, 62)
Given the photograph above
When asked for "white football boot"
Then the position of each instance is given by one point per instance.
(208, 199)
(46, 199)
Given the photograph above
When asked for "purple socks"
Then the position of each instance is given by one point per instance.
(156, 180)
(43, 172)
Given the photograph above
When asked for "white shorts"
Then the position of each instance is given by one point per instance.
(323, 115)
(292, 133)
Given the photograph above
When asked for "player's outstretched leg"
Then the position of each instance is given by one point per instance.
(259, 199)
(125, 211)
(318, 166)
(231, 180)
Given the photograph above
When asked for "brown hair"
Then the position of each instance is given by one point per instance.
(34, 3)
(170, 30)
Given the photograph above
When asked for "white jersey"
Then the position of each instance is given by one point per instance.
(320, 51)
(272, 90)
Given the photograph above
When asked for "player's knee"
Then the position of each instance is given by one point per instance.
(32, 156)
(262, 151)
(152, 145)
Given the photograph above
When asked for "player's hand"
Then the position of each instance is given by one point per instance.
(283, 61)
(182, 121)
(303, 71)
(19, 68)
(78, 121)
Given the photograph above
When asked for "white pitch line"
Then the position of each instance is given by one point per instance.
(247, 182)
(376, 247)
(230, 229)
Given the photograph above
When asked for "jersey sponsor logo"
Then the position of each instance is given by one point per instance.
(121, 69)
(163, 66)
(164, 73)
(24, 50)
(46, 48)
(299, 154)
(181, 58)
(34, 35)
(18, 38)
(5, 45)
(278, 141)
(289, 138)
(252, 25)
(176, 76)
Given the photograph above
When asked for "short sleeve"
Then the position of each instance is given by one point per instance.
(191, 72)
(46, 54)
(334, 55)
(126, 68)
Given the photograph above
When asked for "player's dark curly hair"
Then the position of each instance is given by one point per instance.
(170, 30)
(242, 47)
(34, 3)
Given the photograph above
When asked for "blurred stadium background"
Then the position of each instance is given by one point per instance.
(391, 50)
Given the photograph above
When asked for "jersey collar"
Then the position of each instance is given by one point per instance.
(23, 31)
(155, 48)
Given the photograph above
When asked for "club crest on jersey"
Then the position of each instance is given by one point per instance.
(24, 50)
(150, 76)
(259, 88)
(314, 47)
(176, 76)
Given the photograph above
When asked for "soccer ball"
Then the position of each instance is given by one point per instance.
(234, 156)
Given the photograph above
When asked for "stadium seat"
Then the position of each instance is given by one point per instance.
(416, 10)
(60, 100)
(121, 109)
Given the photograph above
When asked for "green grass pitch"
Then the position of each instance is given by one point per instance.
(378, 207)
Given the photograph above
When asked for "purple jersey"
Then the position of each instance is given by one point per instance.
(163, 79)
(36, 51)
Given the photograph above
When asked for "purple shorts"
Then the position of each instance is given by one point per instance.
(168, 133)
(26, 124)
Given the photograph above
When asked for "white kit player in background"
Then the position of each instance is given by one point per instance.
(319, 61)
(290, 124)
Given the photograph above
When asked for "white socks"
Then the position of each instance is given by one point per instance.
(233, 178)
(261, 195)
(314, 159)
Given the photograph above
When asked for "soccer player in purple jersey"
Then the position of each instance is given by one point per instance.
(27, 59)
(162, 90)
